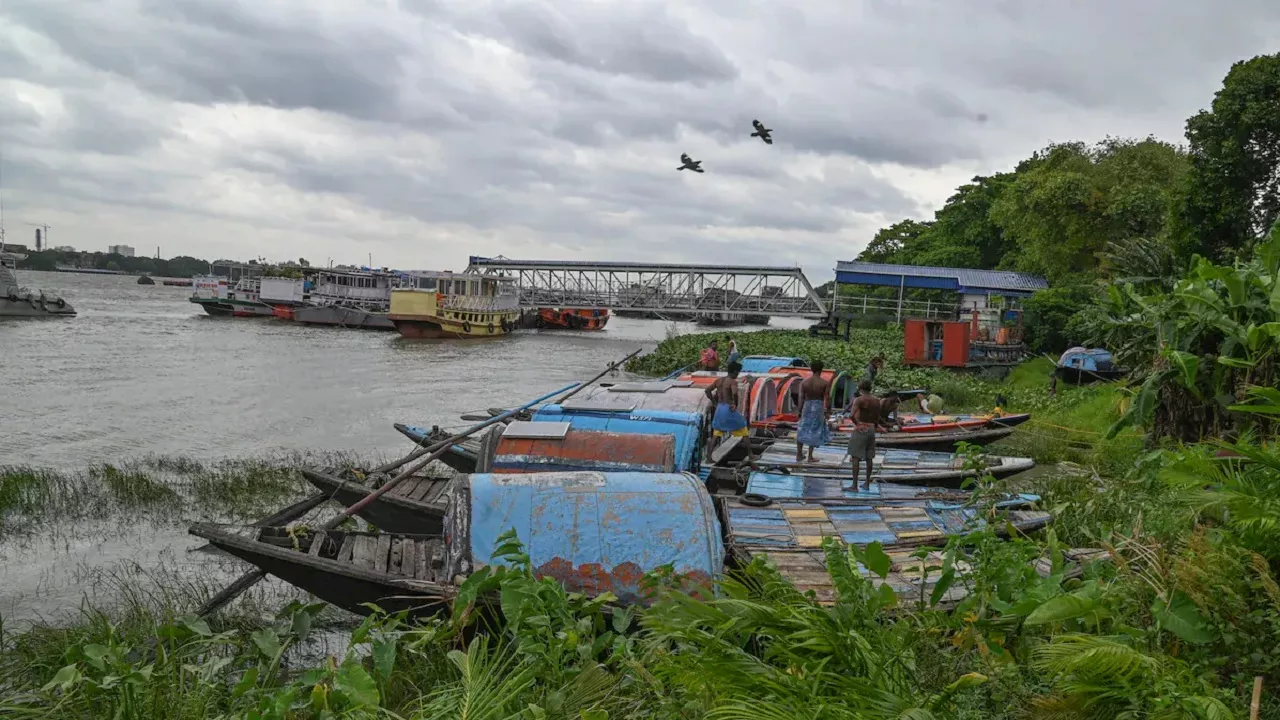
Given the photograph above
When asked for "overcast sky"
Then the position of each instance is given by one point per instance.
(423, 131)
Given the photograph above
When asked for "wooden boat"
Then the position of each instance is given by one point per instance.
(461, 456)
(925, 439)
(594, 532)
(913, 467)
(822, 488)
(346, 569)
(670, 395)
(416, 505)
(455, 305)
(1081, 366)
(904, 465)
(145, 280)
(576, 319)
(603, 532)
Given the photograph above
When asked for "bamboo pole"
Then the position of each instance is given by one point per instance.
(422, 447)
(251, 578)
(606, 371)
(1255, 705)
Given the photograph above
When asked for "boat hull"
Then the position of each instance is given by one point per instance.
(233, 308)
(420, 328)
(552, 319)
(1078, 376)
(415, 506)
(334, 316)
(24, 308)
(347, 585)
(895, 465)
(462, 456)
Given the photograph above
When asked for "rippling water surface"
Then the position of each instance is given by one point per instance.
(141, 370)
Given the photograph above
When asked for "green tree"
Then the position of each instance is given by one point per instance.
(888, 244)
(962, 233)
(1232, 193)
(1069, 202)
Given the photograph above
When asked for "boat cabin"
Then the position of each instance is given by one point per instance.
(458, 301)
(364, 288)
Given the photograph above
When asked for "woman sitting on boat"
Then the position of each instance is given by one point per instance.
(813, 430)
(727, 422)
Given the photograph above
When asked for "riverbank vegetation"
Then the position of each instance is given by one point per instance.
(1175, 474)
(1074, 211)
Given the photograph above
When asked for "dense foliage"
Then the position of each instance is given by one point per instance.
(1201, 345)
(1068, 209)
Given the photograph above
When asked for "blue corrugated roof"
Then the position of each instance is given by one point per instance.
(958, 279)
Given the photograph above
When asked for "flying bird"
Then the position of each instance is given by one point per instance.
(762, 132)
(689, 164)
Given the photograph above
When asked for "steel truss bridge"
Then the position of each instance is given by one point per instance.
(658, 288)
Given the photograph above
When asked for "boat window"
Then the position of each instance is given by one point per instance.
(426, 283)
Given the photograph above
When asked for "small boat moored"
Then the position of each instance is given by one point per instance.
(1080, 366)
(572, 319)
(594, 532)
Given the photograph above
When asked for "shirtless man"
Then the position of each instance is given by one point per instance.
(888, 412)
(727, 421)
(813, 430)
(865, 413)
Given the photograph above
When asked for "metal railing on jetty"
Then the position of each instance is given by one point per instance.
(659, 288)
(891, 308)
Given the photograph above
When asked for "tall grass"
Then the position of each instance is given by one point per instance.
(160, 487)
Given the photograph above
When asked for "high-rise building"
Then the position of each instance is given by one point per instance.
(124, 250)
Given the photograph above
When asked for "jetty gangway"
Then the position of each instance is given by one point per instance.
(659, 288)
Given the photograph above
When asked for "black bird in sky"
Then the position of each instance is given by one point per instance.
(689, 164)
(762, 132)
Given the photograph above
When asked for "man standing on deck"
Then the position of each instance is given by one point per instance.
(813, 430)
(865, 413)
(727, 421)
(733, 350)
(710, 358)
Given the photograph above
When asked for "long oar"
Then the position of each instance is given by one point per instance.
(498, 411)
(606, 371)
(249, 579)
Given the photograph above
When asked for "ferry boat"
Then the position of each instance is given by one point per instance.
(455, 305)
(233, 292)
(347, 297)
(579, 319)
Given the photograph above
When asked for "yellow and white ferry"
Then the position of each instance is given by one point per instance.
(455, 305)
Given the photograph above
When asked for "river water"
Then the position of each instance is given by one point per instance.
(142, 371)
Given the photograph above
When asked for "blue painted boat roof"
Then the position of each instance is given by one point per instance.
(961, 280)
(685, 427)
(623, 523)
(765, 363)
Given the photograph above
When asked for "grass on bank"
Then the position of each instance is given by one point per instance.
(156, 487)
